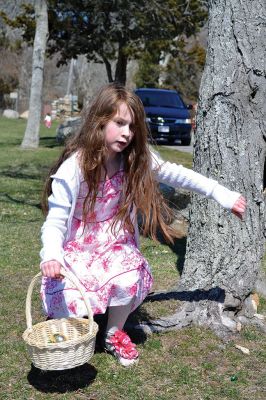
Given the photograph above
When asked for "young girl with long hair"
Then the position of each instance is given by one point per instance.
(106, 176)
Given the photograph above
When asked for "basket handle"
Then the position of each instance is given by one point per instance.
(75, 282)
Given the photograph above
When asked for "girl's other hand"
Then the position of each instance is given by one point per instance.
(239, 207)
(51, 269)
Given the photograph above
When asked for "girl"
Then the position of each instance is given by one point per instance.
(48, 120)
(104, 177)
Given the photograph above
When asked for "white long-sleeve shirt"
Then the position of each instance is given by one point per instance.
(65, 188)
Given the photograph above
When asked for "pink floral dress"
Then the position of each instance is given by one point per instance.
(108, 264)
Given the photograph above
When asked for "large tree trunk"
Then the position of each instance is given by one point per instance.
(31, 136)
(224, 254)
(121, 66)
(230, 148)
(108, 68)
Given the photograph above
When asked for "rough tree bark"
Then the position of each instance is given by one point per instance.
(121, 66)
(224, 254)
(31, 136)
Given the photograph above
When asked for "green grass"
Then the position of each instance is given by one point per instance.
(188, 364)
(174, 155)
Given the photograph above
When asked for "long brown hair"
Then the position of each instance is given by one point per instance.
(140, 187)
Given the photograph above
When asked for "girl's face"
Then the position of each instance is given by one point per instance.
(118, 131)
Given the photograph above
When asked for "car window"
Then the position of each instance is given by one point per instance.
(160, 99)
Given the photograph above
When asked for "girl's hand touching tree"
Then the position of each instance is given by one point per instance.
(239, 207)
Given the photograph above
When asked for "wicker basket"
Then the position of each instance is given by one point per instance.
(79, 334)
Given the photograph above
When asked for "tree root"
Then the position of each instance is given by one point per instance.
(211, 309)
(254, 321)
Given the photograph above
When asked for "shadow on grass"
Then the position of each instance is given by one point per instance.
(26, 171)
(10, 143)
(23, 202)
(216, 294)
(134, 318)
(62, 381)
(19, 175)
(49, 142)
(179, 248)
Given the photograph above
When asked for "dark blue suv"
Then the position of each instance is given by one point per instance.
(167, 115)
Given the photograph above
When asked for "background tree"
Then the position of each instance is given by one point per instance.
(113, 32)
(9, 66)
(183, 72)
(149, 68)
(31, 137)
(224, 254)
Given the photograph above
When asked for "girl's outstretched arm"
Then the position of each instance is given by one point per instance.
(178, 176)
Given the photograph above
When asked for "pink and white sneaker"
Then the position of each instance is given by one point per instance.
(120, 346)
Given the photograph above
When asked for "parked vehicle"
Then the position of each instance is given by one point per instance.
(167, 115)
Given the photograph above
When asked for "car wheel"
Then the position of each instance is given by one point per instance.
(171, 141)
(186, 142)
